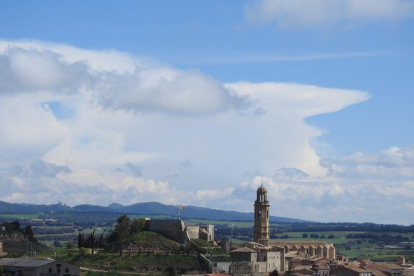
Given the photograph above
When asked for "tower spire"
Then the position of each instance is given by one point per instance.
(261, 215)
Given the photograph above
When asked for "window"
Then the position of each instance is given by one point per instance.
(50, 270)
(58, 270)
(66, 270)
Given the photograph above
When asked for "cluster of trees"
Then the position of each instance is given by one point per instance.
(375, 238)
(125, 230)
(316, 236)
(15, 226)
(91, 241)
(53, 231)
(123, 233)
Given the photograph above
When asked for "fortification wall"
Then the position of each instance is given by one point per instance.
(172, 229)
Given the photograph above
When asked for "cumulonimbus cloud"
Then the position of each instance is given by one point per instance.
(323, 13)
(97, 153)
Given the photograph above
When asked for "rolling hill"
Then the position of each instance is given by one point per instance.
(142, 208)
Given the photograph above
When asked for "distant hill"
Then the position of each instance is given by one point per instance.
(115, 206)
(143, 208)
(91, 208)
(14, 208)
(152, 208)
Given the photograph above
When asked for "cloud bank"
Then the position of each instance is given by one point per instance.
(89, 126)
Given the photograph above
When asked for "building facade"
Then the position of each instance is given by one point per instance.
(27, 267)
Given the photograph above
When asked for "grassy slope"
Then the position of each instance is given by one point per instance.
(131, 263)
(148, 238)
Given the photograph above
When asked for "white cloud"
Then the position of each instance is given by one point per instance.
(332, 199)
(390, 163)
(325, 13)
(148, 87)
(30, 70)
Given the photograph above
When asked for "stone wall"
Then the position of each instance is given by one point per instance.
(221, 267)
(273, 259)
(193, 232)
(172, 229)
(245, 256)
(248, 268)
(204, 263)
(241, 268)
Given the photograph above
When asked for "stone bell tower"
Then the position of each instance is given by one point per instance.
(261, 215)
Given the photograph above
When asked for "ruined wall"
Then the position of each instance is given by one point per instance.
(172, 229)
(207, 232)
(193, 232)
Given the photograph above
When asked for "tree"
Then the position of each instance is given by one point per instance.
(81, 240)
(304, 235)
(137, 226)
(69, 245)
(82, 251)
(16, 225)
(57, 243)
(273, 273)
(1, 270)
(122, 229)
(331, 236)
(29, 232)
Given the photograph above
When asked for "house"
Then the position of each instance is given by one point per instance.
(27, 267)
(350, 271)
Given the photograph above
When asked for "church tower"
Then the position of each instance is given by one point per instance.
(261, 215)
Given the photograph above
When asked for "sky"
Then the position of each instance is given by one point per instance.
(201, 102)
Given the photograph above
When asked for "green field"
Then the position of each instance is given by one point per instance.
(365, 249)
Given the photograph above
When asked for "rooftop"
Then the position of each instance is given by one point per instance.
(243, 249)
(24, 262)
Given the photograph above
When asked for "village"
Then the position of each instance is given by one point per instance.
(158, 237)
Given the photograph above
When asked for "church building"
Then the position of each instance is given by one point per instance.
(264, 255)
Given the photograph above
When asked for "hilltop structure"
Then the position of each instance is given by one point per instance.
(176, 230)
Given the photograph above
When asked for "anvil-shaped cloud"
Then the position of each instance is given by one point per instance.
(84, 126)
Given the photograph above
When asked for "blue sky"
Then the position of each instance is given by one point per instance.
(319, 86)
